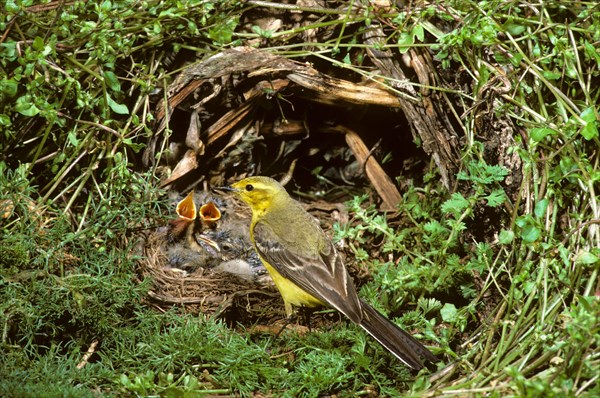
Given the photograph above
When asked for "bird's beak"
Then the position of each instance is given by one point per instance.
(186, 209)
(211, 243)
(210, 214)
(227, 189)
(186, 215)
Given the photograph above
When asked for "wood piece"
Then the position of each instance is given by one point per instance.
(254, 62)
(332, 90)
(163, 113)
(188, 163)
(429, 121)
(227, 122)
(383, 184)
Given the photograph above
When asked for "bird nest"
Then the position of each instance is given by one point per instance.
(203, 261)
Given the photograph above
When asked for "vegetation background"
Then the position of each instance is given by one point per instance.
(513, 310)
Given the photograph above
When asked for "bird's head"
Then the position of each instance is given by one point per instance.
(259, 192)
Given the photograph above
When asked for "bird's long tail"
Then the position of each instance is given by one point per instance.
(405, 347)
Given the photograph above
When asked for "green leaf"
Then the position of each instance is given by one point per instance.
(455, 205)
(585, 257)
(529, 287)
(9, 87)
(495, 198)
(587, 305)
(540, 208)
(515, 29)
(418, 32)
(112, 81)
(434, 227)
(538, 134)
(223, 33)
(5, 120)
(589, 115)
(530, 232)
(592, 51)
(480, 172)
(551, 75)
(405, 41)
(9, 51)
(564, 255)
(267, 34)
(506, 236)
(590, 130)
(449, 313)
(484, 77)
(25, 107)
(135, 146)
(38, 43)
(72, 138)
(12, 7)
(117, 108)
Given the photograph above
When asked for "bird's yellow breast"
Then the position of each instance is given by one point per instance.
(291, 293)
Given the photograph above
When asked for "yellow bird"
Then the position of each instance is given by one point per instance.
(308, 270)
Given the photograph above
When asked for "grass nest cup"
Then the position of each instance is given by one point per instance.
(203, 261)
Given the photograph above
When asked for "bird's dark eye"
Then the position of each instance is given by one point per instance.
(249, 187)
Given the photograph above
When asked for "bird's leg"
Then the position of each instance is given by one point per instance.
(304, 312)
(289, 320)
(306, 315)
(291, 317)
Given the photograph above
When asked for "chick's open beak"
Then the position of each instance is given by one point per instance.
(210, 214)
(186, 209)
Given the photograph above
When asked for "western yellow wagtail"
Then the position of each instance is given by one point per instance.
(308, 270)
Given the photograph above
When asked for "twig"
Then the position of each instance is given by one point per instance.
(88, 354)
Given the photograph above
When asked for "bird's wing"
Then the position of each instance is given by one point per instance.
(321, 274)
